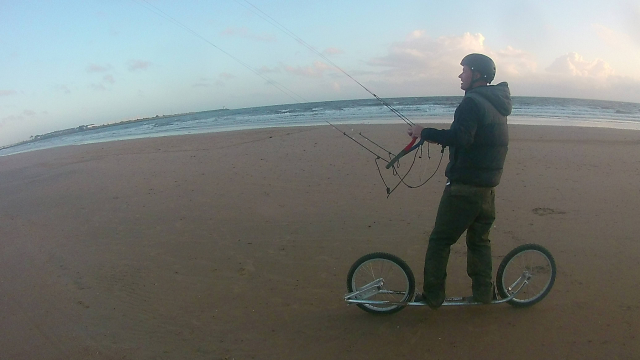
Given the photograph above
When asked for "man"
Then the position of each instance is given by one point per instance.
(477, 139)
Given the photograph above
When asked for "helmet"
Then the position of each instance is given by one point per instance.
(481, 64)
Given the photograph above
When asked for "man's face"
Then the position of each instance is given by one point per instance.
(466, 77)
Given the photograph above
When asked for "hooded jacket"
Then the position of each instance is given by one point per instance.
(478, 138)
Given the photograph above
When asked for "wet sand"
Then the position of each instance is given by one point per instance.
(237, 245)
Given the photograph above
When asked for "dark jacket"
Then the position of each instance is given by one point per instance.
(478, 138)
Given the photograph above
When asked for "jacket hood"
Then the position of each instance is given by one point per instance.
(498, 95)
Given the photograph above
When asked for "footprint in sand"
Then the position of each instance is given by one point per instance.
(546, 211)
(247, 268)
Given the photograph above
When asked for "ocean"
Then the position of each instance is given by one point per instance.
(422, 110)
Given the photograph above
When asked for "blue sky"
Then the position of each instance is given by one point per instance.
(69, 63)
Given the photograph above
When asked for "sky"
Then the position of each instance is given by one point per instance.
(68, 63)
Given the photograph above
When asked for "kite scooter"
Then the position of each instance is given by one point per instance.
(382, 283)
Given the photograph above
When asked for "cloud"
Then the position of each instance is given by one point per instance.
(98, 87)
(316, 70)
(632, 21)
(425, 66)
(246, 34)
(420, 55)
(7, 92)
(64, 88)
(221, 80)
(95, 68)
(420, 64)
(514, 62)
(615, 39)
(11, 118)
(574, 64)
(267, 70)
(17, 118)
(332, 51)
(136, 65)
(204, 83)
(430, 65)
(109, 79)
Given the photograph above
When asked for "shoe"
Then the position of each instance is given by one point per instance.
(420, 298)
(483, 294)
(469, 299)
(483, 300)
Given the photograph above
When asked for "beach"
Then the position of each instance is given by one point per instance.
(236, 245)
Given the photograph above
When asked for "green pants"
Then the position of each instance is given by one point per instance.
(462, 207)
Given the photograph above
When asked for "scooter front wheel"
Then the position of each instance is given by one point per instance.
(529, 271)
(398, 281)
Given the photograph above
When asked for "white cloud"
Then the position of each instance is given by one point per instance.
(615, 39)
(422, 65)
(436, 61)
(420, 55)
(574, 64)
(7, 92)
(332, 51)
(514, 62)
(316, 70)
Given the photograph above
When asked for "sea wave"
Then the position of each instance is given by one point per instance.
(526, 110)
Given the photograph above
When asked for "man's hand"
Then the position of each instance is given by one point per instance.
(415, 131)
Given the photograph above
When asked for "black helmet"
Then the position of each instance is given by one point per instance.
(481, 64)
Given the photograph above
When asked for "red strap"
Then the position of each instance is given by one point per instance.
(408, 147)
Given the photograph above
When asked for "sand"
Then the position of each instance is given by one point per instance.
(237, 245)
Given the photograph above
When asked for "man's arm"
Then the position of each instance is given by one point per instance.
(462, 129)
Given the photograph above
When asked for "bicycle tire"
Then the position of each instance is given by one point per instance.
(397, 275)
(537, 263)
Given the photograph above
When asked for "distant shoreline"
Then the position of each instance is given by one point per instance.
(83, 128)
